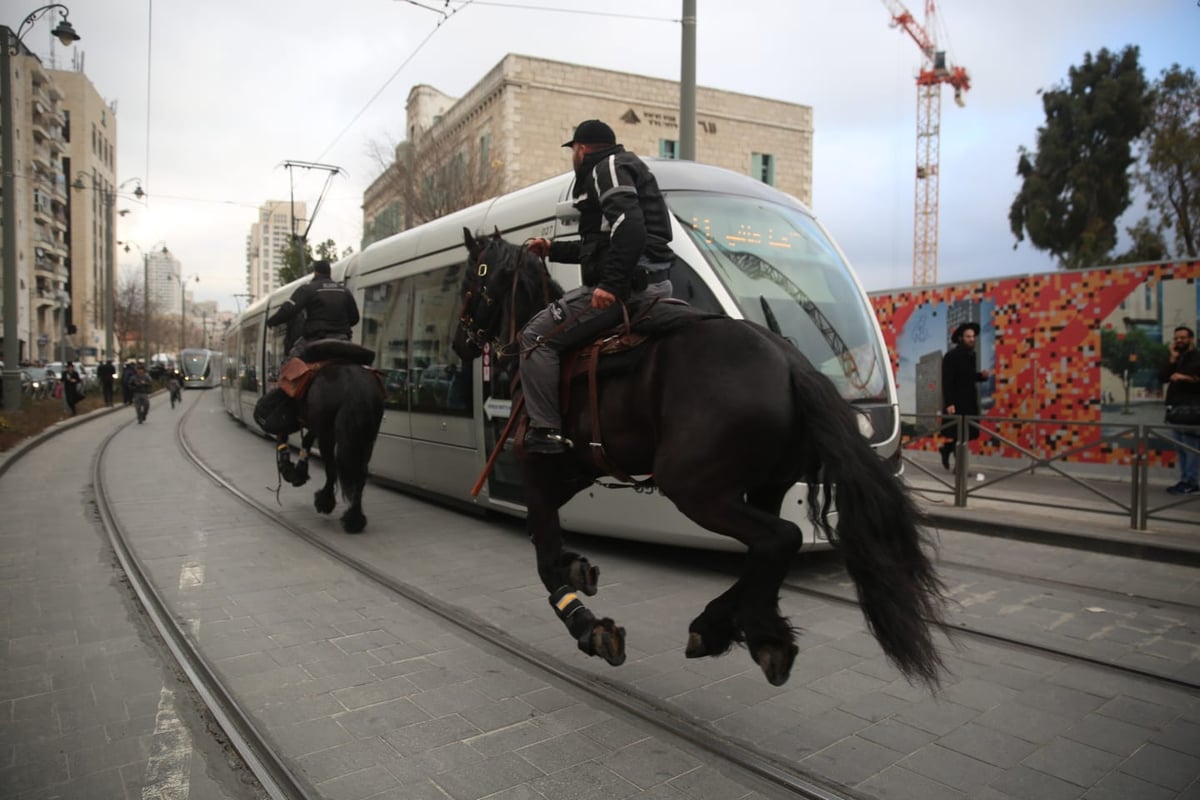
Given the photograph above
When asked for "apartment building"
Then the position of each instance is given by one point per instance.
(268, 238)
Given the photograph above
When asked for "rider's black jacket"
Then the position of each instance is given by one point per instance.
(622, 219)
(330, 309)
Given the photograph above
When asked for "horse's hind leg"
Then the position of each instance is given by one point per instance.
(354, 520)
(749, 610)
(325, 498)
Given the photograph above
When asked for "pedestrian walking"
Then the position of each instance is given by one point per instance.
(107, 374)
(71, 386)
(960, 392)
(1181, 375)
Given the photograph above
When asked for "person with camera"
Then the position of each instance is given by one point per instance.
(1181, 375)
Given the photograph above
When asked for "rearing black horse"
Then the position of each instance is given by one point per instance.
(727, 417)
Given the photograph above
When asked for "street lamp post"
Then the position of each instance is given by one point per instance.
(10, 47)
(183, 282)
(145, 294)
(108, 198)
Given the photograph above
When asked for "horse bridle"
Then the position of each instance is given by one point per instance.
(477, 335)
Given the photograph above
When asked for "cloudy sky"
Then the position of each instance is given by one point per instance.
(213, 96)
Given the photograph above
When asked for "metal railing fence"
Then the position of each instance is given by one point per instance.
(1027, 454)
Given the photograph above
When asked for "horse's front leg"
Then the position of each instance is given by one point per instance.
(565, 573)
(300, 471)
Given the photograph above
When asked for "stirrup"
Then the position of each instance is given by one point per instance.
(548, 441)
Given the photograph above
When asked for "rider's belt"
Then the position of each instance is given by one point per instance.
(650, 272)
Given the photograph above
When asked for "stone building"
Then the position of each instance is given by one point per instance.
(506, 132)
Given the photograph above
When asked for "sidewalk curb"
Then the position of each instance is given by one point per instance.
(1099, 542)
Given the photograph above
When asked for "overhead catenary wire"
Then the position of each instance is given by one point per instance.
(445, 16)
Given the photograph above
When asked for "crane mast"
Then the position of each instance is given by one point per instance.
(935, 70)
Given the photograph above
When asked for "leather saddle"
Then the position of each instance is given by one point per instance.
(298, 372)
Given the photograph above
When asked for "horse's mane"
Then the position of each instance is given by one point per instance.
(534, 287)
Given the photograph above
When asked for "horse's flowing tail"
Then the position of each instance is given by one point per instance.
(357, 425)
(878, 531)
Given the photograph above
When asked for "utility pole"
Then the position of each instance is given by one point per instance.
(687, 84)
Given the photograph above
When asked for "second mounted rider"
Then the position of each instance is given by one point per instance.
(330, 312)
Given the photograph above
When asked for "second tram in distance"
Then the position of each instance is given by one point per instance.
(743, 247)
(201, 368)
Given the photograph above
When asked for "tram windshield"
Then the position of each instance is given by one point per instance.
(195, 363)
(786, 275)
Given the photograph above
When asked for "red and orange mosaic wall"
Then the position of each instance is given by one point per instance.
(1045, 348)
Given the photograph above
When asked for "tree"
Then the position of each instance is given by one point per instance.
(1075, 185)
(441, 171)
(1170, 164)
(1147, 244)
(292, 268)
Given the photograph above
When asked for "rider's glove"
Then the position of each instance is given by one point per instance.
(539, 247)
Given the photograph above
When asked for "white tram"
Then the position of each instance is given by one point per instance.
(201, 368)
(744, 248)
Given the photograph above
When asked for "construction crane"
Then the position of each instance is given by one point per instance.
(935, 70)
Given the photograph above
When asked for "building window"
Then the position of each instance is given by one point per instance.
(762, 167)
(668, 148)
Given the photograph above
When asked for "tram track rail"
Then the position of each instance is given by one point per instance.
(277, 780)
(770, 770)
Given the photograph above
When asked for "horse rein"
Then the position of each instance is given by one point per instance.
(476, 335)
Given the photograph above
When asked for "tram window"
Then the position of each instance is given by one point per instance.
(438, 383)
(275, 353)
(249, 358)
(231, 371)
(385, 315)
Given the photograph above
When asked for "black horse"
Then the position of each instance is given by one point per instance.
(727, 417)
(341, 412)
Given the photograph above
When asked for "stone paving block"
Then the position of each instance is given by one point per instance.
(1182, 735)
(423, 736)
(1120, 786)
(1059, 700)
(332, 762)
(375, 692)
(1138, 712)
(589, 781)
(509, 739)
(851, 761)
(988, 745)
(951, 768)
(309, 737)
(756, 722)
(1072, 761)
(381, 718)
(815, 734)
(34, 774)
(650, 763)
(614, 734)
(899, 783)
(1024, 783)
(575, 717)
(1025, 723)
(451, 699)
(977, 694)
(896, 735)
(1109, 734)
(548, 699)
(361, 784)
(1162, 767)
(566, 750)
(940, 717)
(470, 781)
(107, 784)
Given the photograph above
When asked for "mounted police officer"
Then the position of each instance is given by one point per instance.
(624, 253)
(330, 312)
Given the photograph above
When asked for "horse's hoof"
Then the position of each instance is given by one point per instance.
(324, 501)
(354, 524)
(583, 576)
(608, 641)
(695, 646)
(776, 662)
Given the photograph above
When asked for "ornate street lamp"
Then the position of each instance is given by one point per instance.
(10, 47)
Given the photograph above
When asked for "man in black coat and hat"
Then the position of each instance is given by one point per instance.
(960, 376)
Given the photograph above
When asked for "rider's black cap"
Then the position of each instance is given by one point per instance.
(592, 131)
(321, 267)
